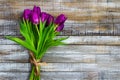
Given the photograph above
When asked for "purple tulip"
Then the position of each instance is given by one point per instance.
(26, 14)
(44, 16)
(37, 9)
(35, 19)
(60, 28)
(50, 19)
(60, 19)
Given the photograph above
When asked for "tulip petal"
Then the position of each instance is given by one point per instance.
(44, 16)
(35, 18)
(60, 28)
(50, 20)
(60, 19)
(26, 14)
(37, 9)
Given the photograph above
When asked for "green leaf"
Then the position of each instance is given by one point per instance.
(31, 35)
(25, 30)
(61, 39)
(21, 42)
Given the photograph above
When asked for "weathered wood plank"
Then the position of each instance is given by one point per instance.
(50, 75)
(60, 67)
(82, 58)
(85, 58)
(84, 17)
(109, 75)
(24, 57)
(13, 76)
(67, 49)
(70, 53)
(63, 58)
(70, 29)
(14, 53)
(82, 40)
(106, 75)
(25, 67)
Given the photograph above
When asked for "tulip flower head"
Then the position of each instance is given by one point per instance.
(37, 10)
(26, 14)
(49, 20)
(60, 19)
(35, 18)
(44, 16)
(60, 22)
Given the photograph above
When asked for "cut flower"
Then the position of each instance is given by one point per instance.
(39, 31)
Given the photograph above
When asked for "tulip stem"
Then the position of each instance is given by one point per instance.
(37, 29)
(33, 76)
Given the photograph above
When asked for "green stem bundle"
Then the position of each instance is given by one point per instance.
(33, 75)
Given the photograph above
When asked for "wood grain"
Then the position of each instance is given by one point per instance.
(85, 17)
(93, 50)
(79, 40)
(67, 49)
(76, 29)
(63, 75)
(60, 67)
(53, 76)
(70, 53)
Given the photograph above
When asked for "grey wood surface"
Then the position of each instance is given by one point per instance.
(93, 50)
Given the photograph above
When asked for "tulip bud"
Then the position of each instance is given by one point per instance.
(60, 28)
(44, 16)
(50, 19)
(37, 9)
(60, 19)
(35, 19)
(26, 14)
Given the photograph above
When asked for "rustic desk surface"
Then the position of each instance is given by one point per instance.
(93, 53)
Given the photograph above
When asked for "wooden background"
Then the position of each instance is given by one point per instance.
(93, 53)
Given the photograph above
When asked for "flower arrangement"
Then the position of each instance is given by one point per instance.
(39, 30)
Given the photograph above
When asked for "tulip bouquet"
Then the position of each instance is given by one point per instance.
(39, 31)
